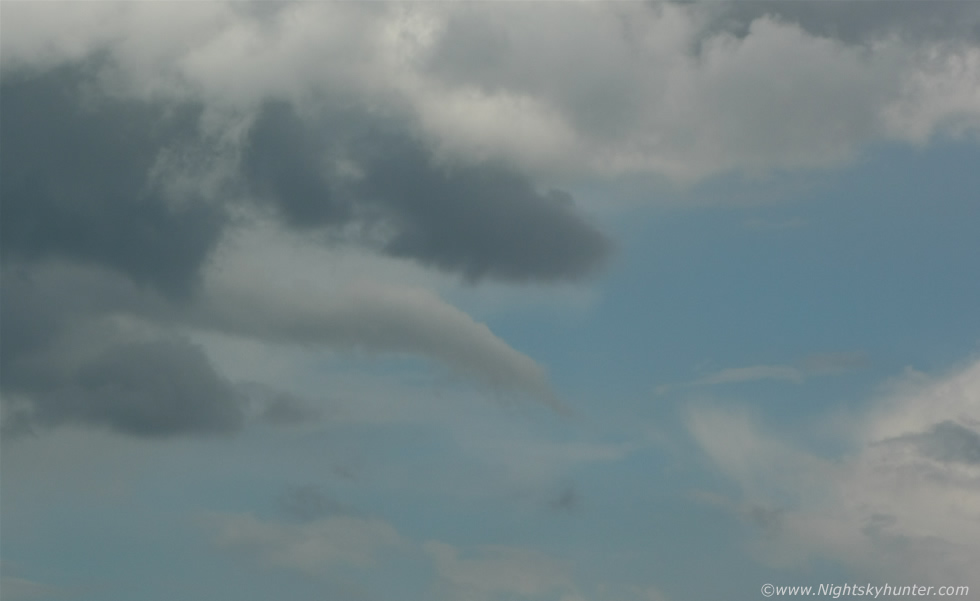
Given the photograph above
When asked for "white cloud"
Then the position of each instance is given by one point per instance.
(604, 87)
(942, 94)
(905, 501)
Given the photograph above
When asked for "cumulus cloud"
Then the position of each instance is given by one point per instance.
(903, 501)
(687, 90)
(663, 88)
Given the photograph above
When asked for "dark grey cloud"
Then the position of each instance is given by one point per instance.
(950, 442)
(76, 179)
(480, 220)
(284, 162)
(858, 21)
(78, 183)
(946, 442)
(152, 388)
(63, 361)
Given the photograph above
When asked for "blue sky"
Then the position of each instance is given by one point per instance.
(488, 302)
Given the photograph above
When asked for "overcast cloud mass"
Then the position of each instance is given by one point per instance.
(473, 301)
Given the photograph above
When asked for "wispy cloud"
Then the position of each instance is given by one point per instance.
(812, 365)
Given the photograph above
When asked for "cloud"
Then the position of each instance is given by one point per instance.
(138, 138)
(84, 345)
(310, 547)
(820, 364)
(947, 442)
(69, 357)
(481, 221)
(858, 22)
(114, 206)
(661, 88)
(152, 388)
(292, 292)
(686, 90)
(78, 179)
(478, 219)
(902, 501)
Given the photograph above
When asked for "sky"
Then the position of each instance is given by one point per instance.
(488, 301)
